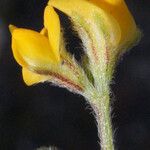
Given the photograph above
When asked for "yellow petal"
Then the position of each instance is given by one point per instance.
(12, 28)
(31, 49)
(31, 78)
(89, 12)
(119, 10)
(44, 32)
(52, 24)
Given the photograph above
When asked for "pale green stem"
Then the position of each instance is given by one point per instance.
(101, 106)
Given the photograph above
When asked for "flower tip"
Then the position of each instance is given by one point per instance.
(12, 28)
(44, 32)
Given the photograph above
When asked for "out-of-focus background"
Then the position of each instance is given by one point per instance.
(44, 115)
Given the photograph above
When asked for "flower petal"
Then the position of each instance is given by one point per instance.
(113, 17)
(31, 49)
(52, 24)
(31, 78)
(44, 32)
(119, 10)
(89, 12)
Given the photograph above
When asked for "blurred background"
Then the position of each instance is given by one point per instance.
(44, 115)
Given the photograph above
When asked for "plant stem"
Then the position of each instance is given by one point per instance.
(104, 125)
(101, 107)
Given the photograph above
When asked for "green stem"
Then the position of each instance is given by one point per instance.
(101, 106)
(104, 124)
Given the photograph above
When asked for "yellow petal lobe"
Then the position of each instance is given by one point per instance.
(92, 15)
(119, 10)
(52, 24)
(31, 78)
(12, 28)
(31, 49)
(44, 32)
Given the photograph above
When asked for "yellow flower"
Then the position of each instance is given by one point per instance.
(106, 28)
(115, 17)
(119, 10)
(34, 51)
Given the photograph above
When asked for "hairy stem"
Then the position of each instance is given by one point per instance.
(101, 106)
(104, 125)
